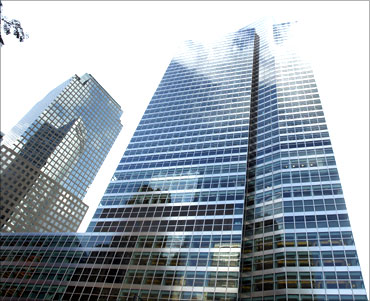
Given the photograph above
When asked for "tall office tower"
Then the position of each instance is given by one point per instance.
(52, 155)
(228, 190)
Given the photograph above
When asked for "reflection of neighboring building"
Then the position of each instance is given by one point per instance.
(151, 197)
(35, 154)
(52, 155)
(228, 190)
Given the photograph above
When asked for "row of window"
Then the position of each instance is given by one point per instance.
(292, 145)
(305, 297)
(292, 137)
(175, 106)
(290, 280)
(196, 122)
(190, 113)
(159, 164)
(297, 122)
(221, 259)
(175, 155)
(145, 277)
(300, 259)
(159, 211)
(228, 70)
(113, 241)
(314, 205)
(75, 257)
(309, 176)
(181, 278)
(289, 71)
(146, 148)
(212, 259)
(173, 197)
(192, 90)
(154, 295)
(168, 225)
(280, 112)
(300, 90)
(53, 292)
(178, 100)
(230, 76)
(193, 134)
(288, 104)
(293, 133)
(182, 184)
(192, 117)
(292, 192)
(195, 84)
(302, 129)
(289, 97)
(301, 176)
(295, 206)
(286, 154)
(310, 239)
(332, 220)
(31, 291)
(234, 121)
(297, 222)
(293, 163)
(185, 171)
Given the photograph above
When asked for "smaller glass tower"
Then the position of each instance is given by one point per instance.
(49, 159)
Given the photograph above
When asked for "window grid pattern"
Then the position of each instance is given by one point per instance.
(297, 236)
(175, 159)
(47, 167)
(193, 164)
(228, 190)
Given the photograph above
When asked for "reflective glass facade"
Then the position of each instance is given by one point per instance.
(52, 155)
(297, 239)
(228, 190)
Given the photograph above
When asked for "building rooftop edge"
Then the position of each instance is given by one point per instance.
(88, 76)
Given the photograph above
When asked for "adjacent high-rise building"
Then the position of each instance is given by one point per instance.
(228, 190)
(49, 159)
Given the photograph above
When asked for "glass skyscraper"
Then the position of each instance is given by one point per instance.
(52, 155)
(228, 190)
